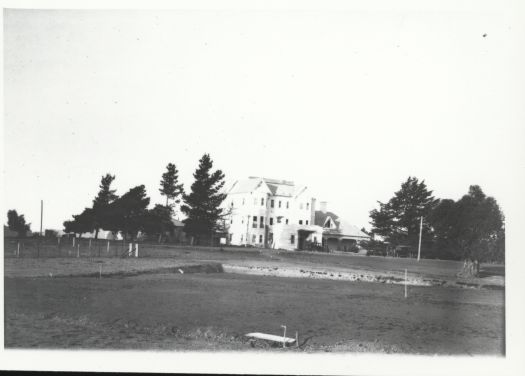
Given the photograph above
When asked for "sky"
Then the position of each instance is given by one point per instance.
(349, 103)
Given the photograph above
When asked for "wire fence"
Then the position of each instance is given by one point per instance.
(89, 248)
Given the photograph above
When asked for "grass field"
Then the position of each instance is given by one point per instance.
(205, 309)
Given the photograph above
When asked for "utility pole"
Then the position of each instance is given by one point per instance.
(40, 235)
(41, 214)
(420, 232)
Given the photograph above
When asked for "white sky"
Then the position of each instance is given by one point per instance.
(348, 103)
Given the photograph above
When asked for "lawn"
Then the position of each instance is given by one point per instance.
(178, 298)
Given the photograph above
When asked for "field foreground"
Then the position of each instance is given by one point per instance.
(189, 303)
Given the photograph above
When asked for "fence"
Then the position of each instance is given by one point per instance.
(92, 248)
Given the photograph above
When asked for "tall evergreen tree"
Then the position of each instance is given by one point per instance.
(128, 213)
(169, 185)
(473, 226)
(101, 203)
(202, 205)
(81, 223)
(158, 221)
(398, 220)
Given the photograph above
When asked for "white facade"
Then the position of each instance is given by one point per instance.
(271, 213)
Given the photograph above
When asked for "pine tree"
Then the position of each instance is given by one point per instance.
(202, 205)
(128, 213)
(169, 185)
(101, 203)
(81, 223)
(398, 220)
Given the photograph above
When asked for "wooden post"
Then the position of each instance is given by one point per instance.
(405, 283)
(100, 272)
(284, 335)
(78, 250)
(108, 248)
(420, 232)
(130, 249)
(136, 249)
(74, 237)
(18, 250)
(41, 214)
(296, 339)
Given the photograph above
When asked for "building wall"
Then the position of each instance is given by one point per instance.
(281, 216)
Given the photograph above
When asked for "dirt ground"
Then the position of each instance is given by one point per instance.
(213, 312)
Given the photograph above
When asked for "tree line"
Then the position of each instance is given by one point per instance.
(470, 229)
(129, 214)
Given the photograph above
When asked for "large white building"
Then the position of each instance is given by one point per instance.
(271, 213)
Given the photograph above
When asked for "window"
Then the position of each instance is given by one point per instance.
(271, 203)
(242, 237)
(261, 224)
(287, 204)
(279, 203)
(231, 236)
(260, 239)
(262, 201)
(242, 221)
(232, 203)
(286, 220)
(231, 221)
(300, 221)
(254, 222)
(254, 238)
(315, 239)
(292, 239)
(279, 219)
(307, 205)
(307, 221)
(271, 221)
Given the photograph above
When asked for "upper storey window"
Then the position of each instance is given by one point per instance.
(262, 201)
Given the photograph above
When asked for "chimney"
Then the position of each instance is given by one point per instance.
(322, 206)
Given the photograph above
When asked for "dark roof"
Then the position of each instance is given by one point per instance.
(320, 217)
(341, 226)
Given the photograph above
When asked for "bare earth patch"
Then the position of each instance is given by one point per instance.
(214, 311)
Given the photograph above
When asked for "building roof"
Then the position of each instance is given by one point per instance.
(245, 185)
(276, 187)
(342, 227)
